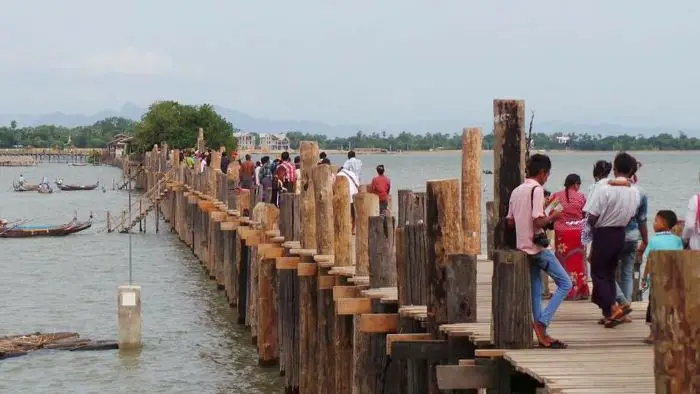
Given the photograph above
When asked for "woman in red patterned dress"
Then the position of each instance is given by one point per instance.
(567, 235)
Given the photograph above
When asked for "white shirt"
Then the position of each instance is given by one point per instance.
(591, 192)
(614, 205)
(202, 165)
(352, 181)
(257, 175)
(690, 231)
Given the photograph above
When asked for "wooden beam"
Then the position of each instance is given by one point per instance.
(379, 323)
(353, 306)
(461, 377)
(391, 338)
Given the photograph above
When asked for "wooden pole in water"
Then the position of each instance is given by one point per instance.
(675, 320)
(508, 163)
(322, 177)
(371, 329)
(307, 273)
(366, 205)
(471, 190)
(343, 324)
(309, 158)
(444, 237)
(288, 291)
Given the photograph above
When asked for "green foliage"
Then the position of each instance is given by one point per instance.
(49, 136)
(177, 125)
(407, 141)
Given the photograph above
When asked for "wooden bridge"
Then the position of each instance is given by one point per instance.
(45, 155)
(414, 307)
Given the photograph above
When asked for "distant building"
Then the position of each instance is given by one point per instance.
(563, 139)
(245, 140)
(119, 144)
(274, 142)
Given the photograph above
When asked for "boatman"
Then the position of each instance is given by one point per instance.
(21, 179)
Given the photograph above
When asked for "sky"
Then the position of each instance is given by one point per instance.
(624, 62)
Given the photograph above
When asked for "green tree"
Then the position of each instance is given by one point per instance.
(13, 125)
(177, 125)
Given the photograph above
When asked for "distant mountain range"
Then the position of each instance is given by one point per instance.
(261, 125)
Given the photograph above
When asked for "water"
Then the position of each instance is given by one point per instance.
(191, 340)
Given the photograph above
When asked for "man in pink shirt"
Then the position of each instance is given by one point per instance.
(526, 214)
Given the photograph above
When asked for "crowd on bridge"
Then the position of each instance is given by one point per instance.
(606, 228)
(283, 174)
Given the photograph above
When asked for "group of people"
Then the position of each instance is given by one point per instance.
(284, 174)
(606, 228)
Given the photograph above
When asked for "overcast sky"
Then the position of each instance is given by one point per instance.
(631, 62)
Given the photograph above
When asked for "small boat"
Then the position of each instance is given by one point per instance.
(59, 183)
(45, 190)
(25, 231)
(77, 164)
(25, 187)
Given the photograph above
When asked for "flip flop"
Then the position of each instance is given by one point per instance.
(554, 344)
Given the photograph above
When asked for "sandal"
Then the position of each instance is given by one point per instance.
(648, 341)
(553, 344)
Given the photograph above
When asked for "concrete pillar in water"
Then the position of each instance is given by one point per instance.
(129, 316)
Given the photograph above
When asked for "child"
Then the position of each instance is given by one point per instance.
(663, 240)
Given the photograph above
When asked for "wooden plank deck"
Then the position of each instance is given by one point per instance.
(598, 360)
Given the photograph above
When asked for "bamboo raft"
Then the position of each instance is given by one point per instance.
(20, 345)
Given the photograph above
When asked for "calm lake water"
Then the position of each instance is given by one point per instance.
(191, 340)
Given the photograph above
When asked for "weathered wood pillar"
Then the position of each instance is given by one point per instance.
(343, 324)
(288, 294)
(460, 273)
(366, 205)
(411, 207)
(371, 329)
(471, 190)
(322, 177)
(307, 273)
(508, 163)
(675, 308)
(309, 158)
(490, 228)
(444, 237)
(510, 300)
(268, 340)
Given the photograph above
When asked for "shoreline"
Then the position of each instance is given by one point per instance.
(545, 151)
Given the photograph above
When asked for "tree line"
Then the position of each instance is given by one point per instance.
(177, 125)
(405, 141)
(165, 122)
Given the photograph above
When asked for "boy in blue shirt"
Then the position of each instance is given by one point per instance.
(663, 240)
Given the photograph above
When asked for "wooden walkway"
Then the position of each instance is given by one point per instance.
(598, 360)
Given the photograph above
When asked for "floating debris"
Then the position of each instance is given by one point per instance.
(19, 345)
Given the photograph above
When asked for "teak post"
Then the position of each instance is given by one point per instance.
(371, 329)
(309, 158)
(471, 190)
(508, 163)
(322, 177)
(444, 237)
(511, 306)
(288, 291)
(411, 207)
(675, 315)
(366, 205)
(343, 324)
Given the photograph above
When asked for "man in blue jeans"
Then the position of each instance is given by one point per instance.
(526, 214)
(635, 231)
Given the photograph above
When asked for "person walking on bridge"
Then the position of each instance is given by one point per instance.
(612, 208)
(526, 214)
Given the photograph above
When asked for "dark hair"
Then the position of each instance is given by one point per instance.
(601, 169)
(297, 159)
(265, 159)
(257, 164)
(571, 179)
(322, 155)
(224, 154)
(351, 154)
(538, 162)
(625, 164)
(285, 156)
(325, 161)
(380, 169)
(247, 157)
(669, 217)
